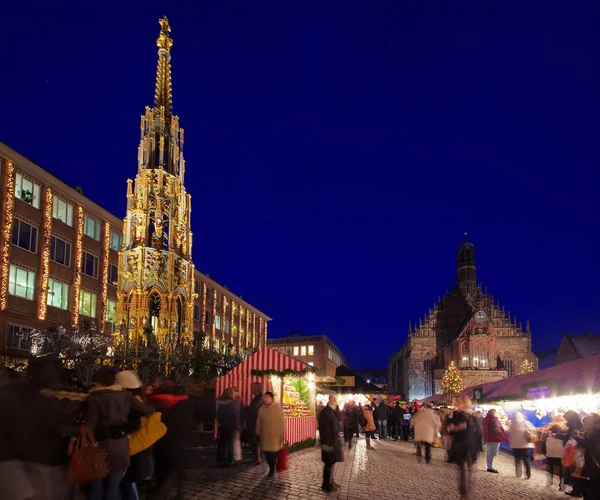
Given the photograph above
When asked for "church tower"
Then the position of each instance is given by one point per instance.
(465, 268)
(156, 274)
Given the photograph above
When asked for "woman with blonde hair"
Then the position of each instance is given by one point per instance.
(464, 442)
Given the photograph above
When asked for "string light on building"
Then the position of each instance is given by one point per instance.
(9, 209)
(78, 257)
(526, 367)
(45, 274)
(105, 254)
(452, 383)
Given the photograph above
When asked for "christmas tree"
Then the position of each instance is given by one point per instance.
(526, 367)
(452, 383)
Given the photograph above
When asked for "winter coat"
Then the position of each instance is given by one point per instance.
(368, 414)
(270, 427)
(519, 437)
(465, 441)
(107, 410)
(252, 415)
(398, 414)
(228, 417)
(351, 419)
(329, 431)
(382, 412)
(493, 432)
(591, 444)
(426, 424)
(181, 414)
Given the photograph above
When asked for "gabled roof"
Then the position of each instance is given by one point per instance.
(585, 345)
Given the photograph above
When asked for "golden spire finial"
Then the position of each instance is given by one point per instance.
(164, 41)
(162, 94)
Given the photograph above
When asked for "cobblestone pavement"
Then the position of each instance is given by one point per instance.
(390, 471)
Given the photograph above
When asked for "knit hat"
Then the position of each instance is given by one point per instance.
(128, 380)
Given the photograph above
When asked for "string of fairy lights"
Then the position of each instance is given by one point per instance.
(9, 209)
(45, 275)
(77, 273)
(105, 263)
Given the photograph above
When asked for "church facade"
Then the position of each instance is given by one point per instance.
(467, 326)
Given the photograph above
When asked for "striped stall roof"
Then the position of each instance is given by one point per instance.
(576, 377)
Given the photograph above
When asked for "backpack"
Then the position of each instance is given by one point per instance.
(362, 420)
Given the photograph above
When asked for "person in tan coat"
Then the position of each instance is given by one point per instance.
(369, 425)
(426, 424)
(270, 428)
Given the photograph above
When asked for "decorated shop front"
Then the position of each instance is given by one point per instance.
(291, 381)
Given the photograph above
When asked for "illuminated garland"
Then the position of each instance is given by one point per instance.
(105, 254)
(43, 304)
(78, 257)
(214, 312)
(319, 372)
(203, 315)
(9, 210)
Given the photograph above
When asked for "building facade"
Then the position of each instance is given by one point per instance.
(574, 347)
(65, 259)
(316, 350)
(467, 326)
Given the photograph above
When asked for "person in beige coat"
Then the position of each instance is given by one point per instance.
(426, 424)
(270, 428)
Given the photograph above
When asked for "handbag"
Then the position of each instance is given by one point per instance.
(570, 453)
(88, 461)
(150, 431)
(282, 460)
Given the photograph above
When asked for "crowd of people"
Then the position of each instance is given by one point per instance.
(142, 431)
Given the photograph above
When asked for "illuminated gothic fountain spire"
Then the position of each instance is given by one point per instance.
(155, 268)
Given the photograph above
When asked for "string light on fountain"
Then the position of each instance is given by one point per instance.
(43, 305)
(78, 257)
(105, 254)
(9, 209)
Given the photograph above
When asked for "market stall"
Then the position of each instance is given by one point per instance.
(291, 381)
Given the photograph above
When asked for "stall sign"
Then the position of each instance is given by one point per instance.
(539, 392)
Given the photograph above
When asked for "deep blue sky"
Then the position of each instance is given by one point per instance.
(336, 154)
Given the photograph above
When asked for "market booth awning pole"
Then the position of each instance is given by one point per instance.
(262, 367)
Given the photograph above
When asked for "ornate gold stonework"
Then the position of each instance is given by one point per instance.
(156, 274)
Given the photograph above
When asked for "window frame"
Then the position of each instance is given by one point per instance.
(52, 294)
(83, 264)
(93, 303)
(196, 313)
(16, 232)
(35, 198)
(119, 236)
(56, 200)
(110, 272)
(108, 310)
(218, 321)
(13, 284)
(10, 334)
(53, 253)
(97, 226)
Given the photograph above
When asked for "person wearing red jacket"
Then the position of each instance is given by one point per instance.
(493, 435)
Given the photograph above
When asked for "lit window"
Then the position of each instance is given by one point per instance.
(288, 351)
(62, 211)
(303, 350)
(197, 313)
(27, 191)
(91, 227)
(113, 275)
(205, 342)
(87, 303)
(480, 357)
(115, 240)
(89, 265)
(111, 306)
(24, 235)
(234, 330)
(21, 282)
(226, 326)
(60, 251)
(310, 363)
(18, 337)
(217, 345)
(311, 350)
(58, 294)
(296, 350)
(218, 322)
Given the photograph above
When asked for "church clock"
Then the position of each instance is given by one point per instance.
(480, 317)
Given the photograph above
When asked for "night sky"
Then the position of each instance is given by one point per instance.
(336, 153)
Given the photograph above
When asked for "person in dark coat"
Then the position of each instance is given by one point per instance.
(350, 422)
(465, 442)
(397, 417)
(589, 440)
(331, 446)
(251, 418)
(228, 420)
(181, 415)
(574, 423)
(381, 415)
